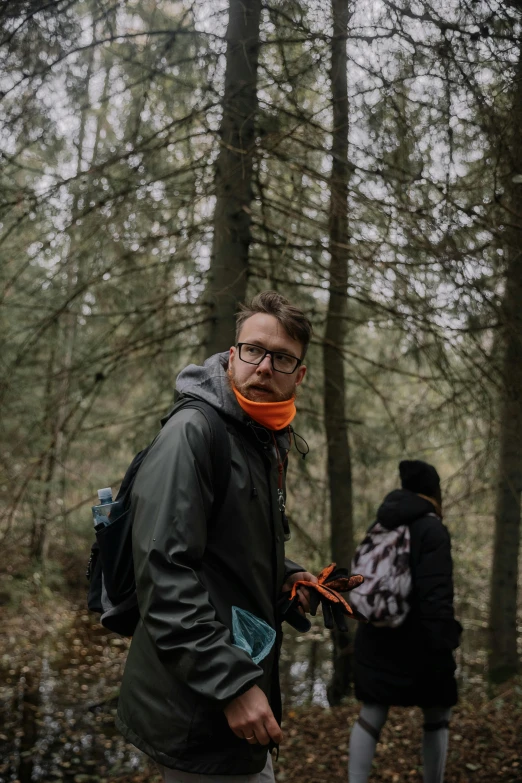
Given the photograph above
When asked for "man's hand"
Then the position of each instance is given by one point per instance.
(302, 592)
(251, 718)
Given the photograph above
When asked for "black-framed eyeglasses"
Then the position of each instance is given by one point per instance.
(281, 362)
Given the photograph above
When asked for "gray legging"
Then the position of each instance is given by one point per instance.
(365, 734)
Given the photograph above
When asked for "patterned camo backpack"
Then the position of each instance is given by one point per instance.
(383, 558)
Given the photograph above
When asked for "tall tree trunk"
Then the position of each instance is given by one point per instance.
(503, 657)
(64, 338)
(339, 459)
(227, 281)
(41, 515)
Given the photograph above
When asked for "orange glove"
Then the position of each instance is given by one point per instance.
(331, 582)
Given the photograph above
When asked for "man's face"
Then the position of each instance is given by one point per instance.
(261, 383)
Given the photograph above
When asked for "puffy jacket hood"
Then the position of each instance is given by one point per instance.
(209, 382)
(402, 507)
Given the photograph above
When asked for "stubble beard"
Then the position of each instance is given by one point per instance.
(250, 394)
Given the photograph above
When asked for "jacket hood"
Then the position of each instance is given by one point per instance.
(402, 507)
(209, 382)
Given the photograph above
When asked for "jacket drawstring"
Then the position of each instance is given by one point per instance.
(303, 453)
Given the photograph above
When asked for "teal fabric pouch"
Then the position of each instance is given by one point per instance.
(251, 634)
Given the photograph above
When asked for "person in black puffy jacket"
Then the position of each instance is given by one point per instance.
(412, 664)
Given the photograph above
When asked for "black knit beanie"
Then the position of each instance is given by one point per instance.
(419, 477)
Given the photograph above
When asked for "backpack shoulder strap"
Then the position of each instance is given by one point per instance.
(220, 453)
(130, 473)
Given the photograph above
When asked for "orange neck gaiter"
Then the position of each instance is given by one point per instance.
(272, 415)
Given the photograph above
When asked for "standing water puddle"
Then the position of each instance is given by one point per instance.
(57, 711)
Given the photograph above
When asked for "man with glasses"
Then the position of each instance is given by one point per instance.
(200, 700)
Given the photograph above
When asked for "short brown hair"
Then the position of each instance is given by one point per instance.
(294, 321)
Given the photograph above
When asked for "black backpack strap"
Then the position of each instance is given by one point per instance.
(130, 473)
(220, 453)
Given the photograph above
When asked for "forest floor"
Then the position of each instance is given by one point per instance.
(485, 744)
(59, 676)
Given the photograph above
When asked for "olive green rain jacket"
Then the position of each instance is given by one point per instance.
(183, 668)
